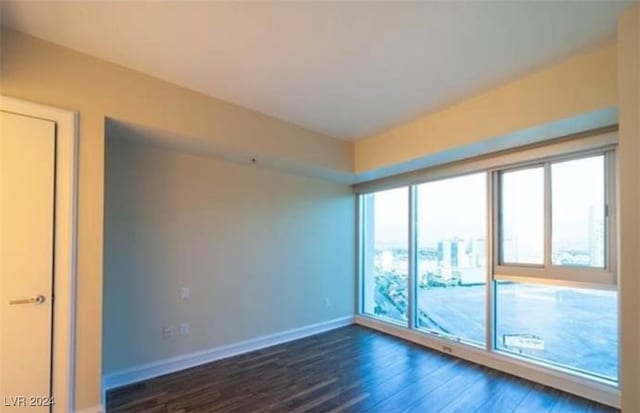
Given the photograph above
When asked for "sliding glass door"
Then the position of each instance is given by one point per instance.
(451, 234)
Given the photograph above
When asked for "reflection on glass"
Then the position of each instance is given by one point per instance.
(386, 254)
(522, 216)
(451, 271)
(578, 235)
(570, 327)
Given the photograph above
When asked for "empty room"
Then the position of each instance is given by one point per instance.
(319, 206)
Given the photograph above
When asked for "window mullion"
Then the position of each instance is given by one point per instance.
(547, 216)
(412, 277)
(496, 224)
(360, 251)
(492, 256)
(610, 208)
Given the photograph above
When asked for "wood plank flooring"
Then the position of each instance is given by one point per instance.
(352, 369)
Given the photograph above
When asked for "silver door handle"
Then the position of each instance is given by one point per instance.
(33, 300)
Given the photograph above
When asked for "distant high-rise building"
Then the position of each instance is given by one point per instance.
(452, 253)
(455, 254)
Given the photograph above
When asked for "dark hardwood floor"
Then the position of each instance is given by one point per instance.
(352, 369)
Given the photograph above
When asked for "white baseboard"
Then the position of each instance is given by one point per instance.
(570, 383)
(93, 409)
(171, 365)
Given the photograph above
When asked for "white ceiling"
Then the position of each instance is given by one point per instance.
(346, 69)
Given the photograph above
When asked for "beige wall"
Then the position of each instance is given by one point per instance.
(261, 252)
(581, 84)
(629, 193)
(39, 71)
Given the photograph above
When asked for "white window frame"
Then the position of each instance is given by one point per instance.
(547, 272)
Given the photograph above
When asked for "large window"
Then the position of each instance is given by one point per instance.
(517, 259)
(553, 220)
(452, 256)
(386, 254)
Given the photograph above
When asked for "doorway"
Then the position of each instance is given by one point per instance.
(37, 257)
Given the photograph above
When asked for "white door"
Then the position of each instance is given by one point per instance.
(27, 170)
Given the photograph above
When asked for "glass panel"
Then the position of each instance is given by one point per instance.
(522, 216)
(578, 236)
(386, 254)
(571, 327)
(451, 272)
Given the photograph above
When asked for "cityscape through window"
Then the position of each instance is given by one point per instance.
(578, 212)
(452, 256)
(551, 224)
(386, 254)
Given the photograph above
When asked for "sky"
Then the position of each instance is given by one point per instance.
(447, 208)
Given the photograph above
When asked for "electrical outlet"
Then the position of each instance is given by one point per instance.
(184, 329)
(167, 332)
(185, 293)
